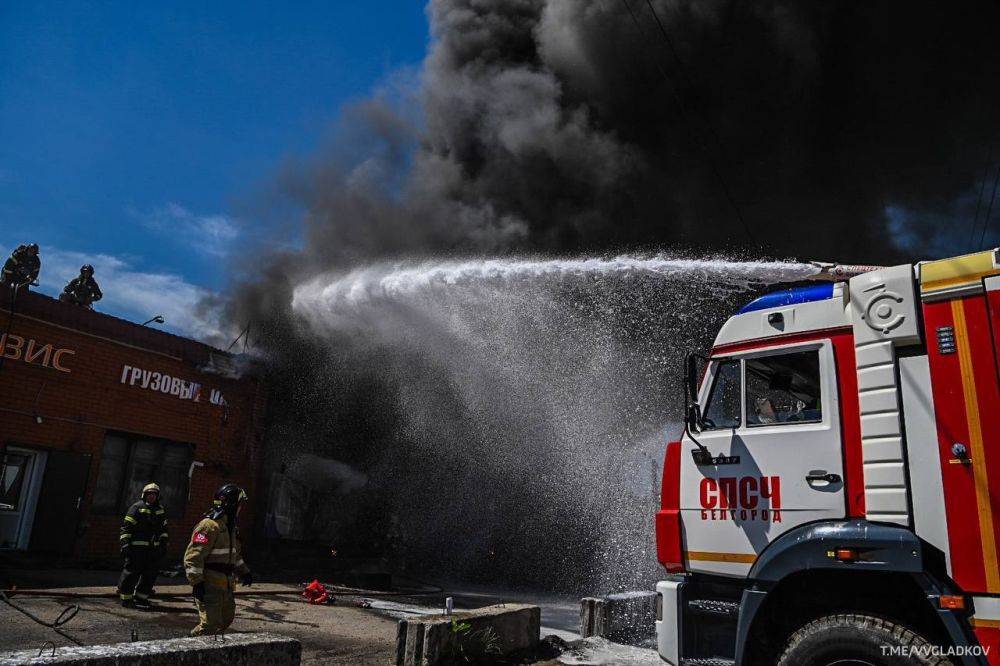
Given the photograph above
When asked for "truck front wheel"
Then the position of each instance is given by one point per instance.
(857, 640)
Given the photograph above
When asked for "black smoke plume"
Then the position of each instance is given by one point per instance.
(566, 126)
(847, 131)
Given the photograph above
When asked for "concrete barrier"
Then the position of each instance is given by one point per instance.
(473, 636)
(628, 617)
(230, 650)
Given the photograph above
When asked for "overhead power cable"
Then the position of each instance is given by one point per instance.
(10, 322)
(989, 209)
(670, 44)
(676, 92)
(982, 188)
(682, 67)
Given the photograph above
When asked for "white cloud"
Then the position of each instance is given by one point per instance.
(208, 234)
(132, 294)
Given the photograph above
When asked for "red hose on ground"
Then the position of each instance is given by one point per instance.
(347, 591)
(63, 594)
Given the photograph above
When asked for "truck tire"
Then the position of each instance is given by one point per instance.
(851, 639)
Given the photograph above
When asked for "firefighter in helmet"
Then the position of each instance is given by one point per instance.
(82, 290)
(143, 543)
(21, 268)
(214, 559)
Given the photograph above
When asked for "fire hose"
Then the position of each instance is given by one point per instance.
(339, 589)
(65, 616)
(70, 612)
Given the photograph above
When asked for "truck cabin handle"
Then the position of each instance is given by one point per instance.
(823, 476)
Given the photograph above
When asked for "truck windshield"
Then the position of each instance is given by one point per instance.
(723, 407)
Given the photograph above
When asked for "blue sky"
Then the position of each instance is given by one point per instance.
(130, 130)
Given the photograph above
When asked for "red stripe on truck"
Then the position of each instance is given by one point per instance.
(988, 635)
(669, 542)
(850, 423)
(775, 340)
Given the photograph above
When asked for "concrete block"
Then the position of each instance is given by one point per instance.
(628, 617)
(495, 630)
(230, 650)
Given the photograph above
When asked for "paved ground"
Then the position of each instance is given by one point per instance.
(341, 634)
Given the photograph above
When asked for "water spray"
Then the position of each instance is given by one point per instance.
(531, 397)
(399, 280)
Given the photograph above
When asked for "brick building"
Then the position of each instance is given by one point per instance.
(93, 407)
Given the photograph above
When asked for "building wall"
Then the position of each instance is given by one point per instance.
(79, 396)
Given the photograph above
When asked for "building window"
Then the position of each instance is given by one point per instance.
(129, 462)
(12, 474)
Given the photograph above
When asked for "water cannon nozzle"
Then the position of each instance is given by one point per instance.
(838, 272)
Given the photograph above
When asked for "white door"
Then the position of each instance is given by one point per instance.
(773, 429)
(20, 480)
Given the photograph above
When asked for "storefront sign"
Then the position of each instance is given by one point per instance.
(175, 386)
(33, 352)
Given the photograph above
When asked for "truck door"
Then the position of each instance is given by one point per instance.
(772, 427)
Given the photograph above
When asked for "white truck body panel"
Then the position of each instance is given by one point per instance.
(798, 318)
(668, 627)
(883, 306)
(929, 516)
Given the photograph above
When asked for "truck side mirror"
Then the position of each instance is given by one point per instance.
(693, 418)
(691, 377)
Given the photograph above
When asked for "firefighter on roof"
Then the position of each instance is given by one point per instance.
(21, 268)
(214, 559)
(82, 290)
(143, 543)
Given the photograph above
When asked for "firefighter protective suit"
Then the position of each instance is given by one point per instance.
(21, 268)
(212, 562)
(82, 290)
(143, 543)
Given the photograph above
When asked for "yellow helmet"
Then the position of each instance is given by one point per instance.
(150, 488)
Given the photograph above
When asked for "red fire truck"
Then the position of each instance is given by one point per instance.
(835, 497)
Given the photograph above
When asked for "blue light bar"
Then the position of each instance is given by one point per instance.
(812, 293)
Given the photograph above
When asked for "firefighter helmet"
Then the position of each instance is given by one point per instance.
(228, 497)
(150, 488)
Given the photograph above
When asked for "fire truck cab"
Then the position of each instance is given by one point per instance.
(832, 498)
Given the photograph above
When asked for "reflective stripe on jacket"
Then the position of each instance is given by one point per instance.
(214, 553)
(144, 525)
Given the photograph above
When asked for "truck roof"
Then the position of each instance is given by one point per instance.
(824, 305)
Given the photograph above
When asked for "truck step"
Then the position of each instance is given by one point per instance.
(708, 661)
(715, 607)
